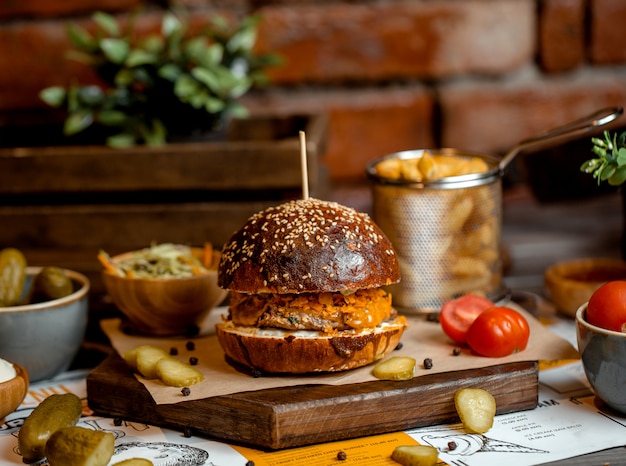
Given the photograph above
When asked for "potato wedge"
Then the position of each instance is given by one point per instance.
(415, 455)
(147, 359)
(395, 368)
(476, 408)
(78, 446)
(177, 373)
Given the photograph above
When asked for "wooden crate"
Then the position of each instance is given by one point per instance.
(60, 205)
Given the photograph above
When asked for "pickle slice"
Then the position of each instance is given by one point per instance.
(395, 368)
(415, 455)
(12, 276)
(476, 408)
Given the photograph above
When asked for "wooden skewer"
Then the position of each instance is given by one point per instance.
(303, 163)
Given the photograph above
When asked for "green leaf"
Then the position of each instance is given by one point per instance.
(111, 117)
(621, 156)
(90, 95)
(155, 135)
(121, 140)
(237, 110)
(81, 38)
(207, 77)
(107, 22)
(171, 25)
(115, 50)
(607, 172)
(81, 57)
(124, 78)
(185, 86)
(170, 72)
(214, 105)
(618, 177)
(53, 96)
(77, 122)
(195, 47)
(140, 57)
(198, 100)
(242, 40)
(153, 44)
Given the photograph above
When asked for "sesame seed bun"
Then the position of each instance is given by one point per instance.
(302, 351)
(305, 280)
(307, 246)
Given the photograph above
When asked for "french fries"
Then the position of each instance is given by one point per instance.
(447, 240)
(430, 167)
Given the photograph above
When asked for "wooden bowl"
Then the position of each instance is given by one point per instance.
(570, 284)
(13, 391)
(164, 306)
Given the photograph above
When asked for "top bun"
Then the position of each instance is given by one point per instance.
(307, 246)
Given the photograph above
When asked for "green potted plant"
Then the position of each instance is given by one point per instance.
(610, 162)
(161, 86)
(609, 165)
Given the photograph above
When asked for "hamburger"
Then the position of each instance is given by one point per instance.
(305, 280)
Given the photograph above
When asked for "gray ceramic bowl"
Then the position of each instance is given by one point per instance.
(45, 337)
(603, 354)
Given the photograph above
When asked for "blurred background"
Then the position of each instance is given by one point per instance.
(389, 75)
(478, 75)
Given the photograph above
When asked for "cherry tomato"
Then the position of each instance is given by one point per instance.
(607, 306)
(497, 332)
(457, 315)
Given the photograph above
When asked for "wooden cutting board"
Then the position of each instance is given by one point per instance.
(295, 416)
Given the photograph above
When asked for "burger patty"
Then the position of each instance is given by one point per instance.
(326, 312)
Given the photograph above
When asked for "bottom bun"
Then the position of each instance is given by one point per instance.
(303, 351)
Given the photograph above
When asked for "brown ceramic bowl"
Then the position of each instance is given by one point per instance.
(13, 391)
(570, 284)
(164, 306)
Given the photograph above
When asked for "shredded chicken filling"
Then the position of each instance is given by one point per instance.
(325, 312)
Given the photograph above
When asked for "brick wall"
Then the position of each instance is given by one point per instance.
(478, 75)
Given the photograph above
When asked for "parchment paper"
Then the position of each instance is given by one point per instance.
(421, 340)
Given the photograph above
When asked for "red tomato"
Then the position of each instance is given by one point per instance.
(457, 315)
(497, 332)
(607, 306)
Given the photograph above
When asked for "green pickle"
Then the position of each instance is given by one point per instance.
(12, 276)
(51, 283)
(53, 413)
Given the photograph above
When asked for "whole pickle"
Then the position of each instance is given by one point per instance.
(12, 276)
(53, 413)
(51, 283)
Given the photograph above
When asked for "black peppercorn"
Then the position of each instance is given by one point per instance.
(187, 432)
(399, 346)
(186, 391)
(193, 360)
(249, 463)
(117, 421)
(428, 363)
(451, 446)
(173, 351)
(190, 346)
(342, 456)
(456, 351)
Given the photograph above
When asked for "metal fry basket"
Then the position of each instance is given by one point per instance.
(446, 232)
